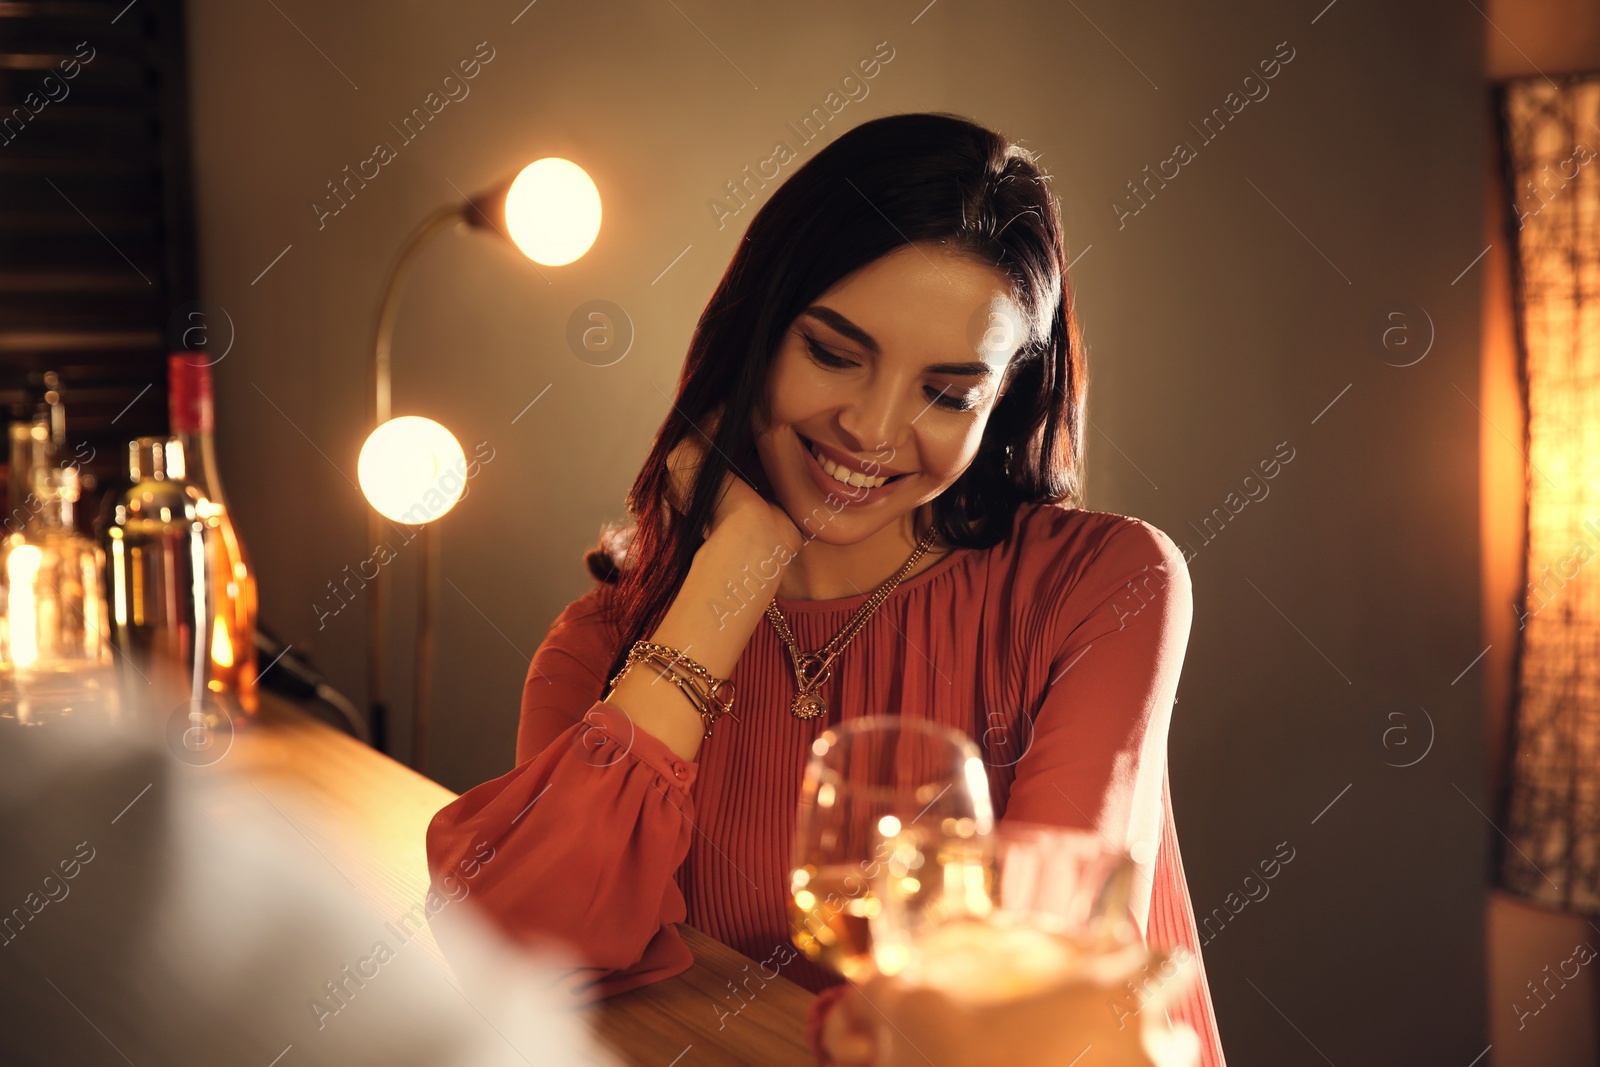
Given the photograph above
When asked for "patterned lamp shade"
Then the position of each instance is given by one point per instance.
(1550, 140)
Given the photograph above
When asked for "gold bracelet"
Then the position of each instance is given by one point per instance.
(711, 696)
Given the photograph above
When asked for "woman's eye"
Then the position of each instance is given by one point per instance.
(939, 397)
(826, 358)
(943, 398)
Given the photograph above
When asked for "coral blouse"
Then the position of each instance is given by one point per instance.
(1057, 651)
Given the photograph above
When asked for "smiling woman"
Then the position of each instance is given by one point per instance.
(862, 501)
(912, 247)
(838, 389)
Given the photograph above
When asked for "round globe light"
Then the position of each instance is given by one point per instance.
(553, 211)
(412, 470)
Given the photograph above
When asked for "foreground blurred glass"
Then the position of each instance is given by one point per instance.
(869, 781)
(1045, 965)
(1040, 894)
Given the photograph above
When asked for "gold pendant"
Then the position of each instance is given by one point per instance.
(808, 706)
(809, 675)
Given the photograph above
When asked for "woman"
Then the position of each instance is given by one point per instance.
(872, 456)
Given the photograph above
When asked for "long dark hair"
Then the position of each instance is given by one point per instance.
(893, 181)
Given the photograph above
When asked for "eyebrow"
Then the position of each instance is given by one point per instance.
(969, 370)
(843, 325)
(830, 317)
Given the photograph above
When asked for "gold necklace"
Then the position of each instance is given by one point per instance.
(812, 669)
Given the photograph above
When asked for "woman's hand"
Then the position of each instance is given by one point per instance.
(850, 1032)
(745, 531)
(885, 1022)
(738, 506)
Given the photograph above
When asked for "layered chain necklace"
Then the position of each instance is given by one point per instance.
(812, 669)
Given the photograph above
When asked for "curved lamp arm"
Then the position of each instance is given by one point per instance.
(389, 305)
(437, 222)
(477, 213)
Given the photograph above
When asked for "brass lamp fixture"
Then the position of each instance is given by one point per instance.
(551, 211)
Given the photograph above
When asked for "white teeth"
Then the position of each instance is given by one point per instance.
(853, 478)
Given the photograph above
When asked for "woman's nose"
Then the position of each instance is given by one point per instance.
(873, 421)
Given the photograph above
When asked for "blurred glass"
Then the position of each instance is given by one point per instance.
(55, 655)
(1065, 883)
(155, 538)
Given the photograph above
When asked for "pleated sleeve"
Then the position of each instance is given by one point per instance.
(579, 844)
(1118, 627)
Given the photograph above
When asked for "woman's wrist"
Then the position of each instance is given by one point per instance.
(759, 528)
(733, 576)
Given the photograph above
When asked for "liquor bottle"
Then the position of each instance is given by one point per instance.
(156, 549)
(55, 655)
(231, 645)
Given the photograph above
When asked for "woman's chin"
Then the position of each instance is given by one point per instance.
(833, 522)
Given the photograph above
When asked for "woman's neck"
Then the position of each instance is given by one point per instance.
(820, 571)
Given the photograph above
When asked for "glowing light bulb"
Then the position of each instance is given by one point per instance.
(412, 470)
(553, 211)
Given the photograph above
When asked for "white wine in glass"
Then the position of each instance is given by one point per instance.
(1026, 878)
(870, 781)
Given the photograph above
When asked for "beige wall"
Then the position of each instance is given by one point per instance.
(1242, 309)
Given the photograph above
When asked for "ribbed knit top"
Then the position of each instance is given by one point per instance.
(1058, 651)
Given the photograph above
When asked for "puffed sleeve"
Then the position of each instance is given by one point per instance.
(579, 844)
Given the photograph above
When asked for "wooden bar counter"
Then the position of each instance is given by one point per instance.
(367, 815)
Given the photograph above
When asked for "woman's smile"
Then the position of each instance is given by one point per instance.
(836, 473)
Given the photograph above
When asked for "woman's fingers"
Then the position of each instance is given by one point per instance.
(848, 1037)
(735, 497)
(682, 463)
(685, 458)
(1032, 1026)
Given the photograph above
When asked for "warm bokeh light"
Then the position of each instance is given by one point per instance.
(221, 646)
(412, 470)
(22, 568)
(553, 211)
(978, 783)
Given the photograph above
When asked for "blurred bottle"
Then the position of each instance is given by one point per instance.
(156, 544)
(55, 656)
(231, 644)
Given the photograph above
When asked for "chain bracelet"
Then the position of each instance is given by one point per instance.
(711, 696)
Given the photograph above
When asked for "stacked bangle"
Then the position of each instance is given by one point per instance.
(711, 696)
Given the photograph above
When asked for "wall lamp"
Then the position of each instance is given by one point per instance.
(409, 465)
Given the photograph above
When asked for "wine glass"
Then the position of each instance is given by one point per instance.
(1068, 879)
(1021, 951)
(1036, 896)
(869, 782)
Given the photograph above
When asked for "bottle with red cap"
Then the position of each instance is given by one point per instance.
(231, 645)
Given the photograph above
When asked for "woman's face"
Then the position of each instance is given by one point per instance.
(891, 374)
